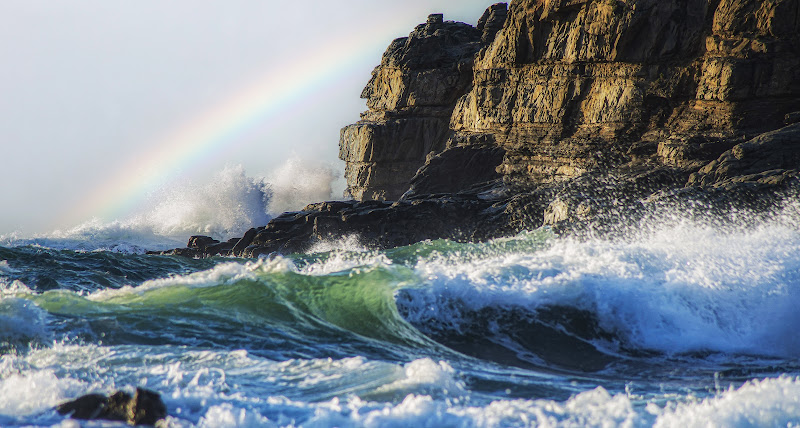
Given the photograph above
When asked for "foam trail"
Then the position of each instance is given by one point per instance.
(767, 402)
(682, 288)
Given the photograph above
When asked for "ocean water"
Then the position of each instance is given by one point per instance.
(675, 323)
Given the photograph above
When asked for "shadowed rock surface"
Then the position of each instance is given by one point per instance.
(577, 114)
(142, 408)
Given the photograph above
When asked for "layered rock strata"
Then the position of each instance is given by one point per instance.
(574, 86)
(411, 97)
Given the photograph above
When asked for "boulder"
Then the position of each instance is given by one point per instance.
(144, 407)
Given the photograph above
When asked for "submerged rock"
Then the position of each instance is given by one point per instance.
(144, 407)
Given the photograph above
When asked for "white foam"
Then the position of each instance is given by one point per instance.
(13, 288)
(221, 274)
(595, 408)
(206, 393)
(759, 403)
(22, 320)
(682, 288)
(341, 261)
(226, 415)
(5, 268)
(348, 243)
(770, 402)
(425, 374)
(35, 391)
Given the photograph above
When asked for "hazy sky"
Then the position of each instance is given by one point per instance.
(96, 95)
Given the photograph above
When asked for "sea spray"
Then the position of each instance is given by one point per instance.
(679, 289)
(225, 207)
(297, 183)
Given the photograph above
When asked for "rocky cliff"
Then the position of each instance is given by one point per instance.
(411, 97)
(571, 113)
(574, 86)
(651, 89)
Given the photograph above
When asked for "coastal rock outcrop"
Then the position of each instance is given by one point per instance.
(574, 86)
(576, 114)
(377, 224)
(411, 97)
(598, 105)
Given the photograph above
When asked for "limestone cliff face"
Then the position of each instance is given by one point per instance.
(411, 97)
(569, 86)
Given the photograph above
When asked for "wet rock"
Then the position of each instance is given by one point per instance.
(456, 169)
(200, 242)
(245, 241)
(776, 150)
(144, 407)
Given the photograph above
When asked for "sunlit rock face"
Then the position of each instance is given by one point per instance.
(571, 86)
(411, 97)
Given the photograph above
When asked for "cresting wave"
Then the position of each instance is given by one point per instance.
(229, 204)
(681, 289)
(686, 288)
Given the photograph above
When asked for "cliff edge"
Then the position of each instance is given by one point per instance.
(578, 114)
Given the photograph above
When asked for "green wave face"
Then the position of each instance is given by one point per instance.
(333, 304)
(263, 306)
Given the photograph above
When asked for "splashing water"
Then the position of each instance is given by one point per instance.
(674, 323)
(225, 207)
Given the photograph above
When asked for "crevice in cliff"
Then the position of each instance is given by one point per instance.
(524, 46)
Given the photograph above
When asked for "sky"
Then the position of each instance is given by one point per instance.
(103, 101)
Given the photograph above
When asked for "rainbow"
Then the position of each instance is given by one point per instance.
(222, 126)
(214, 129)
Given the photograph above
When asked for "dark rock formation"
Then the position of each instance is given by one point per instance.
(578, 114)
(457, 169)
(776, 150)
(142, 408)
(378, 224)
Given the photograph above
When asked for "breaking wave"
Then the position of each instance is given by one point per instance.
(229, 204)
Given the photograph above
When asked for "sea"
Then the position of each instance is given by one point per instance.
(674, 322)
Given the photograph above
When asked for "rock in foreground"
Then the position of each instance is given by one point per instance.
(142, 408)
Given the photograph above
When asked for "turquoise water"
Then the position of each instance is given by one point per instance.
(678, 324)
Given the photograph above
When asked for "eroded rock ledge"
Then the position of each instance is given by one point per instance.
(578, 114)
(411, 97)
